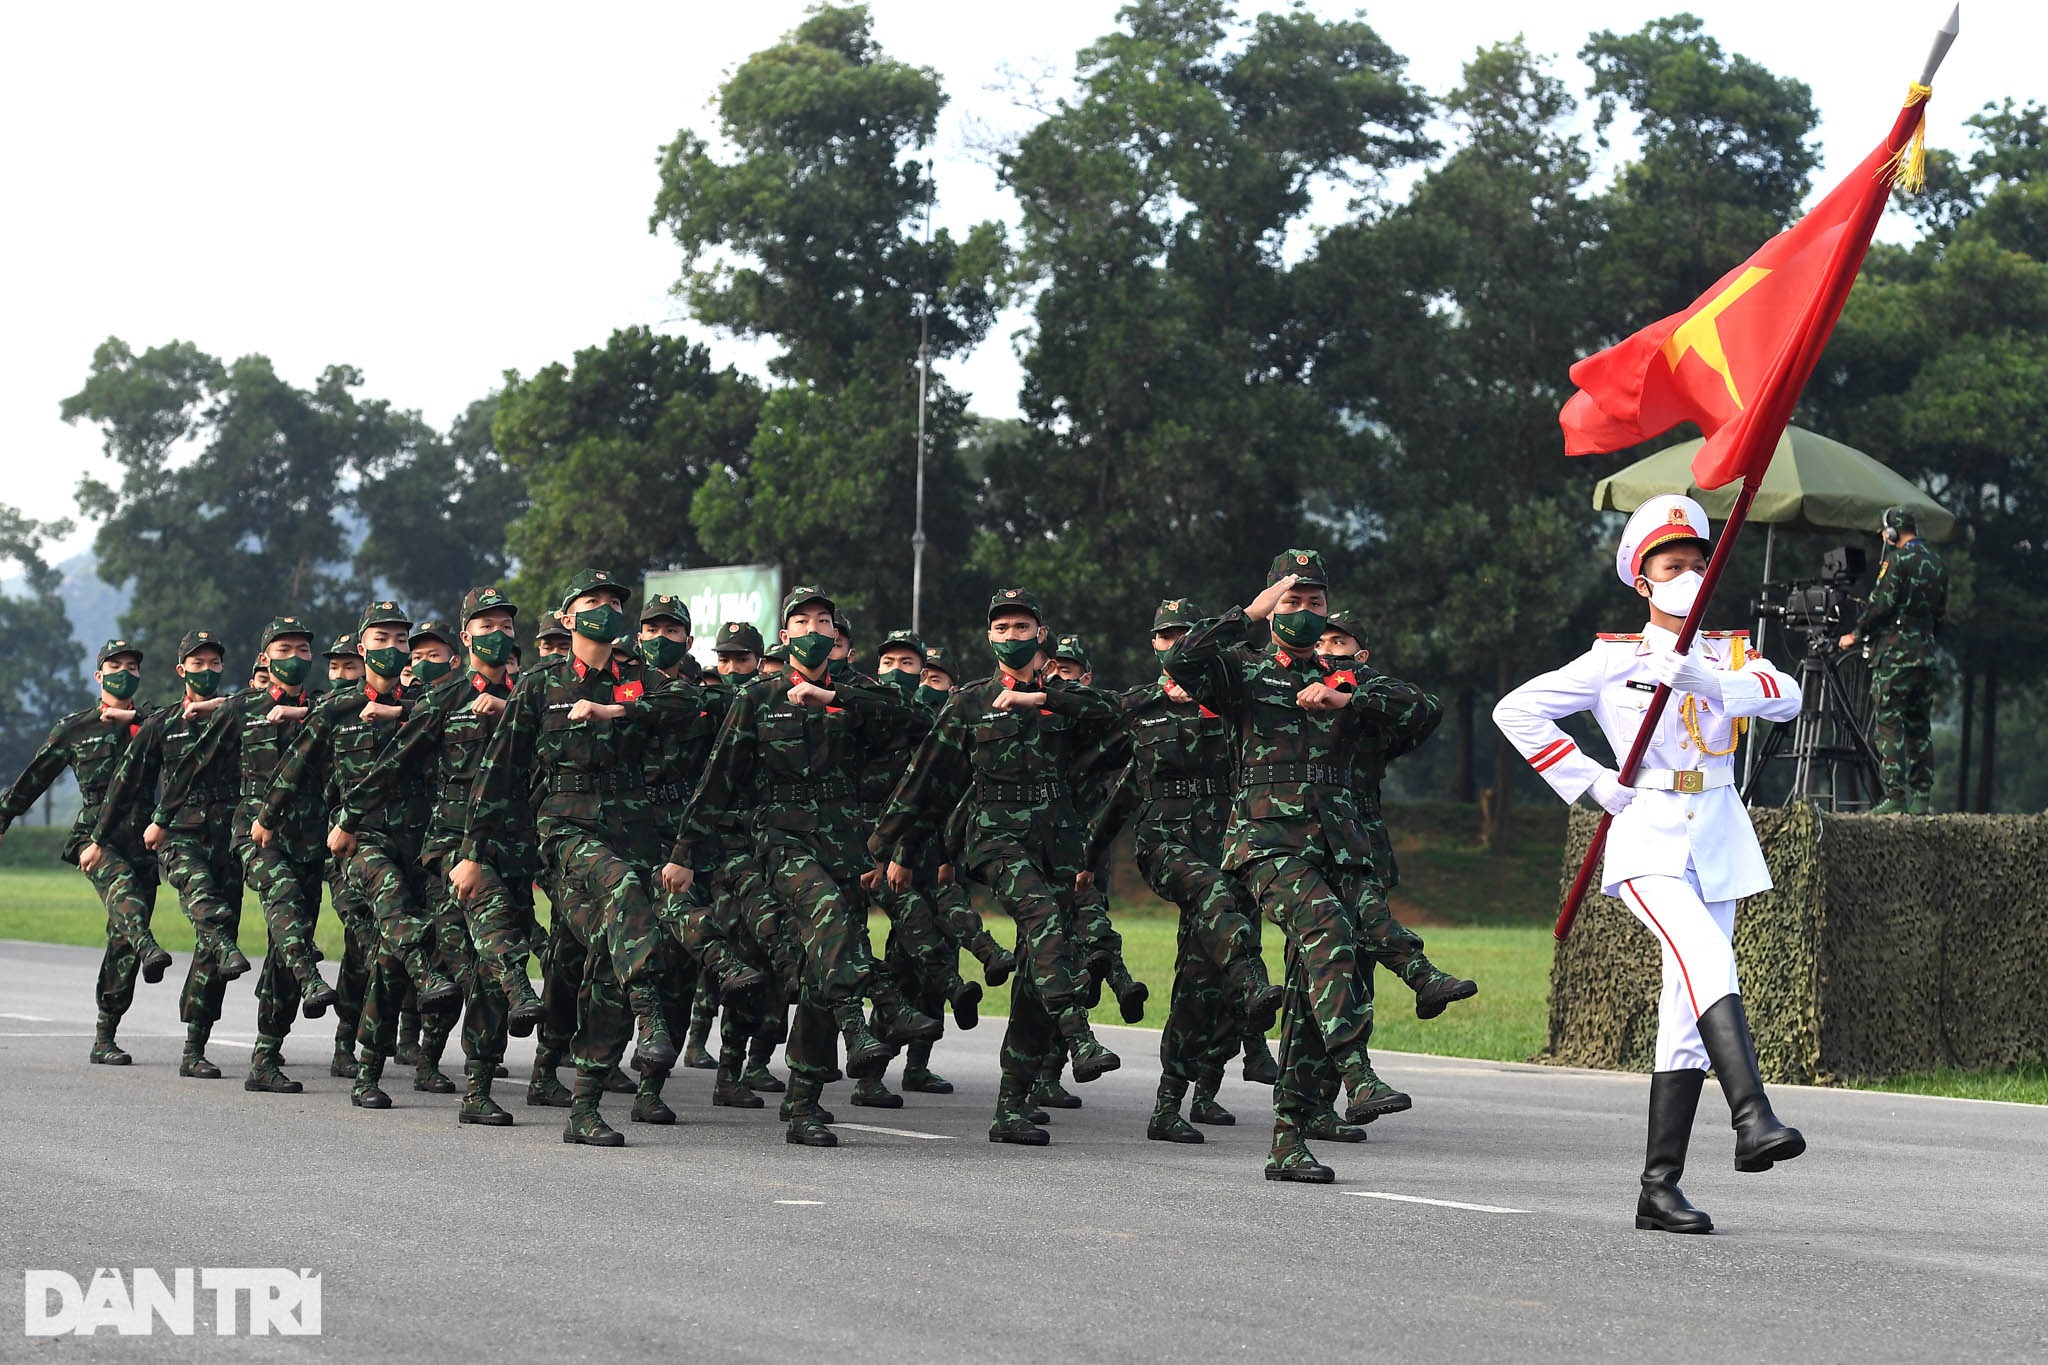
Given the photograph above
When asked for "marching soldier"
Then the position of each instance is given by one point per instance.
(579, 732)
(91, 743)
(1898, 623)
(1008, 743)
(1295, 835)
(1681, 853)
(250, 736)
(194, 850)
(352, 979)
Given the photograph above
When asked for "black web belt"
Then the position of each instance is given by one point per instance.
(1173, 788)
(1294, 775)
(1019, 793)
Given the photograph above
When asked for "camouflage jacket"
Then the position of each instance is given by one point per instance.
(676, 761)
(1294, 766)
(1907, 604)
(1377, 748)
(337, 747)
(439, 746)
(1011, 769)
(1175, 777)
(208, 805)
(791, 774)
(241, 738)
(582, 776)
(92, 749)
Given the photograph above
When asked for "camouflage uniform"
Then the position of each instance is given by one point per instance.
(126, 878)
(1005, 774)
(196, 858)
(1898, 623)
(1297, 839)
(241, 737)
(792, 773)
(597, 839)
(1178, 786)
(358, 928)
(336, 746)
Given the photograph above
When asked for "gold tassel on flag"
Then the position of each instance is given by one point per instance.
(1908, 170)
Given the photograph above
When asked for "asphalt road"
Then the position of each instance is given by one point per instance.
(1914, 1228)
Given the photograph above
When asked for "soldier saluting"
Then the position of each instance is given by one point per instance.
(1681, 852)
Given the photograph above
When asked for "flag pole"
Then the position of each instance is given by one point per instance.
(1758, 439)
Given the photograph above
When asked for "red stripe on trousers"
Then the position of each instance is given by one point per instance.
(1684, 975)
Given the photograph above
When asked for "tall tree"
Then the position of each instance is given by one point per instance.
(40, 677)
(1174, 440)
(612, 450)
(435, 510)
(808, 235)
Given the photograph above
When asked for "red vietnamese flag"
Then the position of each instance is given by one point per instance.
(1736, 360)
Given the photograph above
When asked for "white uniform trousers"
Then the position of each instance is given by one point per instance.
(1697, 940)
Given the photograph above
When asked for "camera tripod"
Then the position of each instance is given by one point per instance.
(1833, 763)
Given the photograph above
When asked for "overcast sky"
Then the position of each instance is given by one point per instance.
(436, 193)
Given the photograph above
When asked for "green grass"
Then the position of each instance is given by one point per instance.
(2025, 1084)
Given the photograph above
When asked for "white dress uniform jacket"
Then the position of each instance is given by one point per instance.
(1661, 831)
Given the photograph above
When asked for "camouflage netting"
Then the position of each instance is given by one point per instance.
(1889, 945)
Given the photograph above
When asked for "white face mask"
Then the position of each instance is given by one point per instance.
(1675, 596)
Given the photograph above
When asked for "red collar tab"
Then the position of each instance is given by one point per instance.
(279, 694)
(583, 669)
(479, 682)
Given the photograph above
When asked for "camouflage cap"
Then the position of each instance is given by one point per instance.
(1014, 599)
(114, 649)
(431, 630)
(666, 606)
(737, 637)
(1347, 623)
(842, 623)
(1900, 519)
(1071, 649)
(779, 653)
(343, 647)
(1175, 613)
(806, 592)
(385, 613)
(200, 639)
(477, 601)
(552, 629)
(281, 627)
(937, 656)
(590, 580)
(903, 639)
(1305, 565)
(262, 665)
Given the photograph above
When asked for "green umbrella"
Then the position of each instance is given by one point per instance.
(1813, 484)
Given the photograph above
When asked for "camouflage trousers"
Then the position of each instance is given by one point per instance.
(358, 952)
(127, 888)
(919, 953)
(1043, 1011)
(208, 881)
(485, 1012)
(562, 957)
(616, 888)
(1203, 1021)
(1327, 1017)
(830, 922)
(288, 889)
(1901, 726)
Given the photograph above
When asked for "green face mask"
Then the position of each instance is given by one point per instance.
(290, 672)
(932, 697)
(425, 671)
(662, 652)
(835, 669)
(492, 647)
(604, 624)
(904, 680)
(120, 684)
(1299, 629)
(202, 682)
(811, 650)
(1015, 655)
(388, 662)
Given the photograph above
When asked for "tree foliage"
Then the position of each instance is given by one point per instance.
(40, 668)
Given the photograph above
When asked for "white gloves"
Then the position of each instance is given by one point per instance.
(1686, 673)
(1608, 791)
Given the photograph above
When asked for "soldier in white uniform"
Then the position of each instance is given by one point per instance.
(1681, 851)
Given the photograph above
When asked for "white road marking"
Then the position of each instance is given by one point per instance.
(895, 1132)
(1437, 1203)
(28, 1018)
(803, 1203)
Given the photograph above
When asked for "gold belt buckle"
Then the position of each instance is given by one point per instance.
(1691, 781)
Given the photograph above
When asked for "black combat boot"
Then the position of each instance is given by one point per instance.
(760, 1050)
(1012, 1123)
(1760, 1140)
(648, 1105)
(1166, 1124)
(1662, 1206)
(586, 1125)
(264, 1072)
(369, 1090)
(477, 1104)
(544, 1090)
(1436, 991)
(194, 1062)
(1260, 1066)
(1290, 1159)
(105, 1051)
(730, 1090)
(918, 1075)
(807, 1122)
(1205, 1109)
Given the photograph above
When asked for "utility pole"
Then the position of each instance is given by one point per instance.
(924, 371)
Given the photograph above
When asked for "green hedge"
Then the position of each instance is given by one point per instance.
(1889, 945)
(34, 845)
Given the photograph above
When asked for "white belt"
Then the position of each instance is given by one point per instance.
(1690, 781)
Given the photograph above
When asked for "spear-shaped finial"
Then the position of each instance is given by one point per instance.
(1944, 39)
